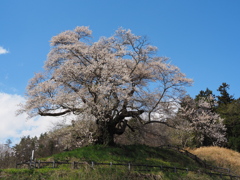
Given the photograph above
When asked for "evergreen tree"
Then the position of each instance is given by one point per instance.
(225, 98)
(231, 114)
(23, 150)
(229, 109)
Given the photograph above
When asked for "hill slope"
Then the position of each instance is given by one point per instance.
(123, 156)
(218, 156)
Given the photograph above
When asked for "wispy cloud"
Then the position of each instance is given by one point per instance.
(3, 51)
(14, 127)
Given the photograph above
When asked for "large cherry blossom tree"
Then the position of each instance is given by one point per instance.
(110, 80)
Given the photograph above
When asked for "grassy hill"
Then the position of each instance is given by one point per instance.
(133, 154)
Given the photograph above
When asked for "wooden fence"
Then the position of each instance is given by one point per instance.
(75, 165)
(129, 166)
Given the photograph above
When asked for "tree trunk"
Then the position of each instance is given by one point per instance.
(105, 134)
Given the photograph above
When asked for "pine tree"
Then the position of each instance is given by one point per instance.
(225, 98)
(229, 109)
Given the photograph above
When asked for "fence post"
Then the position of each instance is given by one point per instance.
(92, 164)
(39, 164)
(110, 164)
(129, 166)
(73, 165)
(187, 170)
(175, 169)
(53, 164)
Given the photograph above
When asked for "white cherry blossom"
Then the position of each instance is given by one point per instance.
(112, 79)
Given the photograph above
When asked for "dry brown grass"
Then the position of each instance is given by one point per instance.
(220, 157)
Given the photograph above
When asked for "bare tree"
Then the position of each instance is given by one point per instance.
(111, 80)
(7, 158)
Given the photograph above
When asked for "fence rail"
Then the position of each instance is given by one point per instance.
(130, 166)
(74, 164)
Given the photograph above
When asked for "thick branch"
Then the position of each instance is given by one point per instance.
(120, 129)
(165, 123)
(131, 128)
(116, 103)
(54, 114)
(130, 94)
(125, 113)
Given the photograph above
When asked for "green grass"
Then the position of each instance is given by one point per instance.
(134, 154)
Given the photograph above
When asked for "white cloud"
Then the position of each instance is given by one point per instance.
(14, 127)
(3, 51)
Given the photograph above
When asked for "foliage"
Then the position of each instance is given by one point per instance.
(42, 146)
(229, 109)
(107, 80)
(23, 150)
(225, 97)
(231, 114)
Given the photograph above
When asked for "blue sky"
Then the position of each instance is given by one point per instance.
(201, 37)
